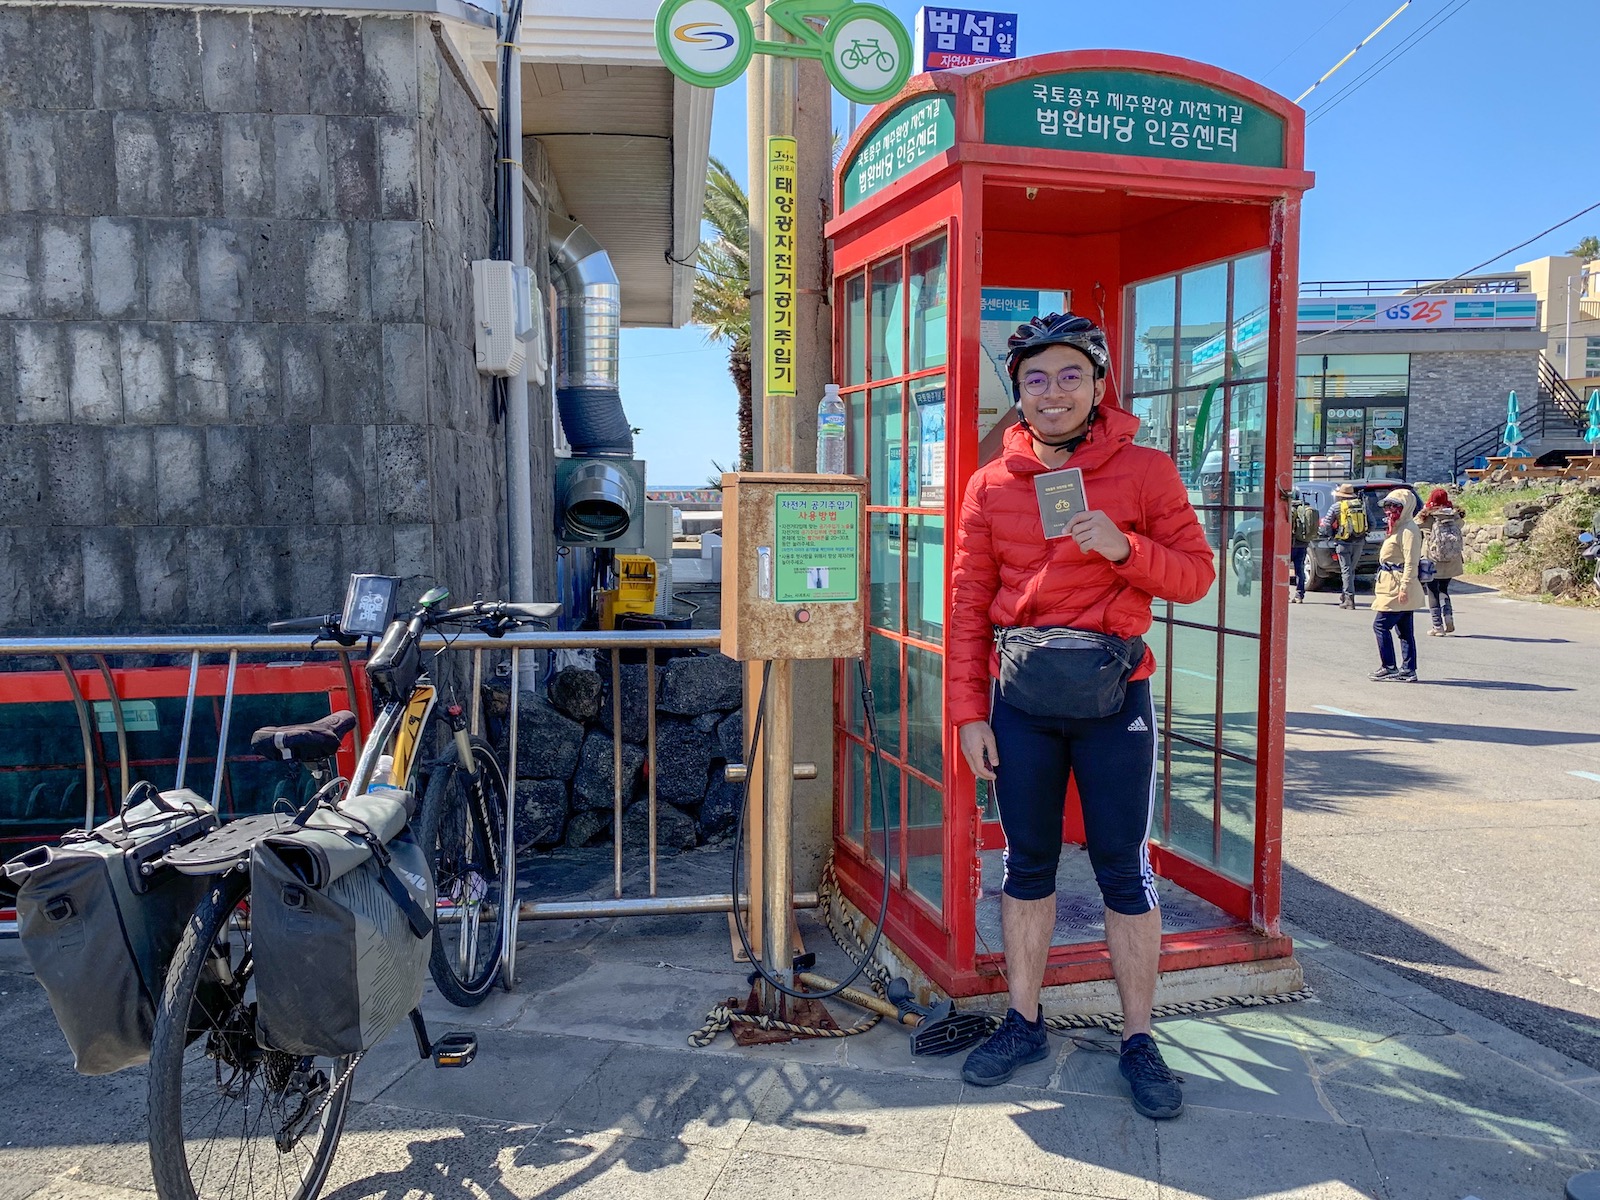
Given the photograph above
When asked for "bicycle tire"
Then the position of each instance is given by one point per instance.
(189, 1058)
(465, 958)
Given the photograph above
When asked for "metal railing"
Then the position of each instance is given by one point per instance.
(1471, 285)
(62, 650)
(1314, 462)
(1557, 412)
(1555, 391)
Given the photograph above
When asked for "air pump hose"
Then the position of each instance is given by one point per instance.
(738, 842)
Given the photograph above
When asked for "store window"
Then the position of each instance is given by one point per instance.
(895, 325)
(1351, 415)
(1591, 357)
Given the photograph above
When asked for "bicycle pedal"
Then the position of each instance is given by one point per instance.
(455, 1050)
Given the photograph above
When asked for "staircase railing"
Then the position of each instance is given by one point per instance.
(1557, 393)
(1490, 441)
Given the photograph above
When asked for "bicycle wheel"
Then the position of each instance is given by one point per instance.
(463, 833)
(229, 1118)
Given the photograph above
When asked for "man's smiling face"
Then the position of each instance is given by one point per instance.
(1068, 391)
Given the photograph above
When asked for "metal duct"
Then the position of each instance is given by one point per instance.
(589, 329)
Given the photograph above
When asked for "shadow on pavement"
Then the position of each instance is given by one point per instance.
(1396, 945)
(1494, 685)
(1409, 729)
(1319, 780)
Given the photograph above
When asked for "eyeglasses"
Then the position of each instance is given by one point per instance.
(1068, 379)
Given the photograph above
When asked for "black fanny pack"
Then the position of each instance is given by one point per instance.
(1058, 671)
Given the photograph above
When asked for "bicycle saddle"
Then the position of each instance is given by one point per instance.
(310, 742)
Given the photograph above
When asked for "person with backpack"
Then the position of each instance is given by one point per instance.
(1397, 592)
(1346, 523)
(1440, 522)
(1302, 532)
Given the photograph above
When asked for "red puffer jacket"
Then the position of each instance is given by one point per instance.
(1007, 573)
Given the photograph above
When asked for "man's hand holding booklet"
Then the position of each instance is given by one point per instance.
(1064, 511)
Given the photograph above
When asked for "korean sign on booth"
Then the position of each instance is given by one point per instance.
(960, 37)
(1136, 113)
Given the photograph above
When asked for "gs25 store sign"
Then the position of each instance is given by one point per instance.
(1514, 311)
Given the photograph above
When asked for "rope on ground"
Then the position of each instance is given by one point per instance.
(724, 1016)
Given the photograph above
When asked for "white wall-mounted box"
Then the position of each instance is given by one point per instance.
(501, 315)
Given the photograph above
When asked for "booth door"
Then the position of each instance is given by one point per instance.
(1196, 371)
(895, 321)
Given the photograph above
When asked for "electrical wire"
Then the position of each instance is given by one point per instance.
(1417, 36)
(1268, 72)
(738, 839)
(1326, 75)
(1460, 275)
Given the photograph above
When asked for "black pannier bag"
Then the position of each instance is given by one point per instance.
(99, 919)
(341, 911)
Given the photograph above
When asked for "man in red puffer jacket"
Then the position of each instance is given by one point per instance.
(1139, 540)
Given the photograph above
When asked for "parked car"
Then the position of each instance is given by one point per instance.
(1322, 565)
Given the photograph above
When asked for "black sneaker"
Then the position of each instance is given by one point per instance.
(1156, 1093)
(1015, 1044)
(1384, 673)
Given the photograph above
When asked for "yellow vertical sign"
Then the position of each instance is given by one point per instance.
(780, 327)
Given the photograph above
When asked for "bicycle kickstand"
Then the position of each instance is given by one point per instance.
(452, 1050)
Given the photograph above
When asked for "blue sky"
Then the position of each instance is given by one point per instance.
(1478, 137)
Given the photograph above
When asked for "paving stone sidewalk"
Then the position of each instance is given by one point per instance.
(585, 1087)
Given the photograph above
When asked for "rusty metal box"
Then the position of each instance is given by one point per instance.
(794, 566)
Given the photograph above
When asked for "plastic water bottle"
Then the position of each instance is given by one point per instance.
(831, 432)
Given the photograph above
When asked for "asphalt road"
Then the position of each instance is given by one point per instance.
(1448, 829)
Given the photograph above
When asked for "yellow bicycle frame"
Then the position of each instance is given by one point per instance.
(408, 738)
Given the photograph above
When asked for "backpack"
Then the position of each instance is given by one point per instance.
(1351, 522)
(1444, 542)
(1302, 523)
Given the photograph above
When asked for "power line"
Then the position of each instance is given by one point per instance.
(1405, 4)
(1459, 275)
(1268, 72)
(1389, 59)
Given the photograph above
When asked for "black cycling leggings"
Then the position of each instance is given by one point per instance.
(1113, 761)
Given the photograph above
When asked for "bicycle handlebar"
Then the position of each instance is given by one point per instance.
(504, 609)
(295, 624)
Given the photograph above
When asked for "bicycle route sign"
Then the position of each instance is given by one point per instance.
(865, 50)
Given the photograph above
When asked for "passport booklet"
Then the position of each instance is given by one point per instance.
(1060, 499)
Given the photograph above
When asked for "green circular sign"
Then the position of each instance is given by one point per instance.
(865, 50)
(704, 42)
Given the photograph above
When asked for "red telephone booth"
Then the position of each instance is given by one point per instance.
(1162, 198)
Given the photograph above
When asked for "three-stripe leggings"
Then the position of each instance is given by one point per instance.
(1112, 760)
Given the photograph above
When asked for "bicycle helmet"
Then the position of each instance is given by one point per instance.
(1057, 329)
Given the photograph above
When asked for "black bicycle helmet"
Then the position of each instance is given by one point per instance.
(1056, 329)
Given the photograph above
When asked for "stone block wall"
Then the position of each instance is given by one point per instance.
(236, 354)
(1455, 396)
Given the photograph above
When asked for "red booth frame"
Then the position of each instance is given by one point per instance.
(946, 193)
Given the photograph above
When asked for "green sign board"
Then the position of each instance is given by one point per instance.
(818, 555)
(914, 133)
(1135, 113)
(138, 716)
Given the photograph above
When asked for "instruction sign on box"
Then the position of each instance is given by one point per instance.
(792, 580)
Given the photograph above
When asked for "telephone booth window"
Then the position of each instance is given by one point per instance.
(896, 310)
(1196, 359)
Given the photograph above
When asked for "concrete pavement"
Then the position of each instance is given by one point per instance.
(585, 1087)
(1448, 829)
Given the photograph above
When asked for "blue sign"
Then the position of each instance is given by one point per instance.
(963, 37)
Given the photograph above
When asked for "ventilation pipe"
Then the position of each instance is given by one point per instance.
(589, 300)
(598, 501)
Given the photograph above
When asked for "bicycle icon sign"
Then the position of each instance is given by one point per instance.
(865, 51)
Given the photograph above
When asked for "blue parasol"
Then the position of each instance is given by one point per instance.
(1592, 434)
(1513, 434)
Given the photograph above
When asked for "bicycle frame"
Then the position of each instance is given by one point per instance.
(790, 16)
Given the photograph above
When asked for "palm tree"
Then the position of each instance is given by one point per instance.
(722, 290)
(1587, 248)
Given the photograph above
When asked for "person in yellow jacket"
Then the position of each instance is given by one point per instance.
(1397, 593)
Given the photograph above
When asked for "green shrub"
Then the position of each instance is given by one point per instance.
(1494, 556)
